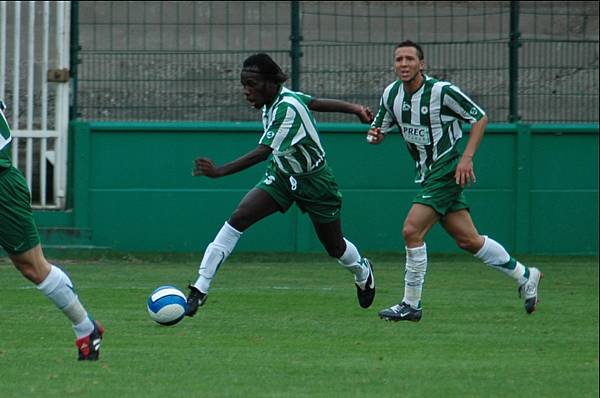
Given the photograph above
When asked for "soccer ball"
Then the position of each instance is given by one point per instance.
(167, 305)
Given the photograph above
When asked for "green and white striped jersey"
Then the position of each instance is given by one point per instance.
(5, 138)
(291, 131)
(429, 119)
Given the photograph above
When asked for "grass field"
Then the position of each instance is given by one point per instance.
(290, 326)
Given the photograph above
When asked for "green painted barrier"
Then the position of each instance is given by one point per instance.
(131, 189)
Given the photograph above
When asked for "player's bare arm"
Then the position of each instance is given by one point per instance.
(465, 173)
(206, 167)
(331, 105)
(375, 136)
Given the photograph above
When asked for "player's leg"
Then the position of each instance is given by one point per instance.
(256, 205)
(319, 196)
(19, 237)
(337, 246)
(439, 192)
(417, 224)
(460, 226)
(55, 284)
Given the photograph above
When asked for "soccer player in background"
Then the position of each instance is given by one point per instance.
(429, 114)
(20, 239)
(298, 172)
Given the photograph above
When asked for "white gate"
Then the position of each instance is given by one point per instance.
(34, 84)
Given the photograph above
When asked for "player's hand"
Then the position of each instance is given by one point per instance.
(375, 136)
(204, 167)
(365, 114)
(464, 171)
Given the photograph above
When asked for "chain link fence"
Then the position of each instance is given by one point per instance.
(180, 61)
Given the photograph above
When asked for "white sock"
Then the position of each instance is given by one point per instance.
(493, 254)
(83, 328)
(414, 277)
(59, 289)
(215, 254)
(353, 262)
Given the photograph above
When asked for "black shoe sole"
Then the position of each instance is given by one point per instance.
(388, 318)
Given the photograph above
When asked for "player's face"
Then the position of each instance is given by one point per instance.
(407, 64)
(258, 90)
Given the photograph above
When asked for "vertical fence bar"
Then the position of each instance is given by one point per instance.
(295, 38)
(2, 47)
(44, 105)
(513, 73)
(30, 64)
(16, 86)
(63, 91)
(62, 106)
(57, 106)
(74, 59)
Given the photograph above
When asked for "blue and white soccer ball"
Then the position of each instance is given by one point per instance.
(167, 305)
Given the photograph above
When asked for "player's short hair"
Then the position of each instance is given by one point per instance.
(409, 43)
(263, 64)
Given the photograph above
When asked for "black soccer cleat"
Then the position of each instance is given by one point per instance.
(88, 347)
(367, 295)
(401, 312)
(194, 300)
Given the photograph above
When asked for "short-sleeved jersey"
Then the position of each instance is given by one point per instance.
(5, 138)
(429, 119)
(290, 129)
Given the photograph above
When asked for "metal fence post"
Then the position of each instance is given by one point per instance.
(523, 189)
(295, 39)
(513, 73)
(74, 58)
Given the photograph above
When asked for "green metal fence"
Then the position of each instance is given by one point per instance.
(534, 61)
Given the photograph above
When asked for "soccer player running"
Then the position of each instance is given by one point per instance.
(429, 113)
(20, 239)
(297, 172)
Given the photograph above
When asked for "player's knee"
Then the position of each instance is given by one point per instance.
(410, 232)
